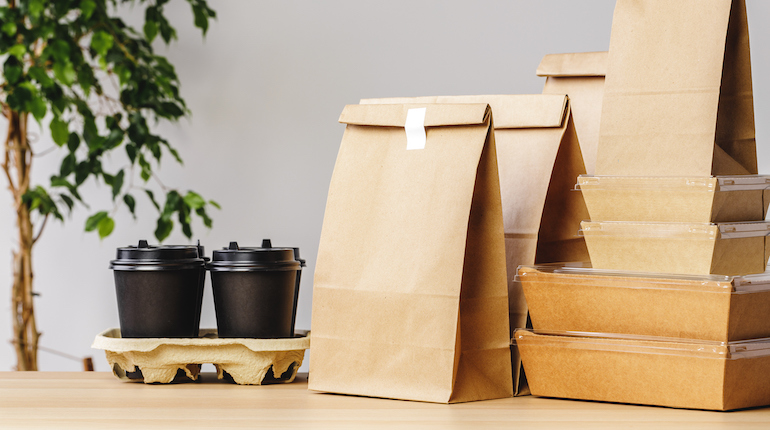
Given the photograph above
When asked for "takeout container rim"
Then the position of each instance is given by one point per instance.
(647, 344)
(730, 284)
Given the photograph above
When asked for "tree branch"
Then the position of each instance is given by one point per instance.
(42, 227)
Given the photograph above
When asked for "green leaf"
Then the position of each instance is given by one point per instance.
(117, 184)
(108, 179)
(106, 225)
(38, 107)
(60, 50)
(12, 72)
(73, 141)
(39, 74)
(206, 219)
(128, 199)
(175, 154)
(87, 8)
(61, 182)
(172, 200)
(163, 229)
(152, 199)
(20, 97)
(215, 204)
(68, 201)
(82, 171)
(131, 151)
(114, 139)
(124, 74)
(64, 72)
(146, 169)
(167, 32)
(101, 42)
(86, 79)
(9, 28)
(194, 200)
(59, 131)
(171, 110)
(150, 30)
(17, 51)
(68, 165)
(36, 8)
(92, 223)
(201, 18)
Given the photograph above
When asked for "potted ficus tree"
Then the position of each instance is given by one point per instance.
(76, 70)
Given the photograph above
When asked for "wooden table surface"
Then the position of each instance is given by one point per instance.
(98, 400)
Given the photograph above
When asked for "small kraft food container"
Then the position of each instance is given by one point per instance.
(676, 199)
(681, 248)
(649, 371)
(709, 307)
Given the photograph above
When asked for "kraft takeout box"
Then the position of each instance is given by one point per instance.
(247, 361)
(580, 76)
(649, 371)
(678, 98)
(682, 248)
(676, 199)
(711, 307)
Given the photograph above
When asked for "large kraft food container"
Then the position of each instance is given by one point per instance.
(681, 248)
(649, 371)
(711, 307)
(676, 199)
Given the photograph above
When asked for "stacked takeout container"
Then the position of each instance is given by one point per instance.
(673, 310)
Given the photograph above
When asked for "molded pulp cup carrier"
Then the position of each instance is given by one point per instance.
(159, 290)
(255, 290)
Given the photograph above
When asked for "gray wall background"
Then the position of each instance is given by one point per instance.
(266, 88)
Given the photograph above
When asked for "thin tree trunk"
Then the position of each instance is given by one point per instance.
(18, 163)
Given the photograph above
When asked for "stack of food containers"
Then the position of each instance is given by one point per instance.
(673, 311)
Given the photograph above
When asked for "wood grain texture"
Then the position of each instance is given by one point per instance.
(98, 400)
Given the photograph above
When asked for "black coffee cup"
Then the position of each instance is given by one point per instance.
(255, 290)
(159, 290)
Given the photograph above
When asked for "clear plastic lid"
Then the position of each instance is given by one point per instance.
(702, 183)
(644, 280)
(644, 344)
(675, 230)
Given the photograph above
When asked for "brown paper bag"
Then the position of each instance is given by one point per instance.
(409, 295)
(539, 159)
(581, 77)
(678, 96)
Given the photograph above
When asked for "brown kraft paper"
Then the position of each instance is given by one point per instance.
(581, 77)
(409, 296)
(539, 159)
(678, 94)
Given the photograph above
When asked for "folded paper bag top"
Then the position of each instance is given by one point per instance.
(678, 96)
(580, 76)
(538, 156)
(409, 293)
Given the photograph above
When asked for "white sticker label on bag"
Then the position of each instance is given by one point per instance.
(415, 128)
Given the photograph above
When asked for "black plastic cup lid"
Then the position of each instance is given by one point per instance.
(160, 257)
(245, 259)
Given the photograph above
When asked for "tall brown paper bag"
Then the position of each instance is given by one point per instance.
(580, 76)
(678, 95)
(539, 159)
(409, 295)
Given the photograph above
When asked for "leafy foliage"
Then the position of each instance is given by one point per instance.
(100, 83)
